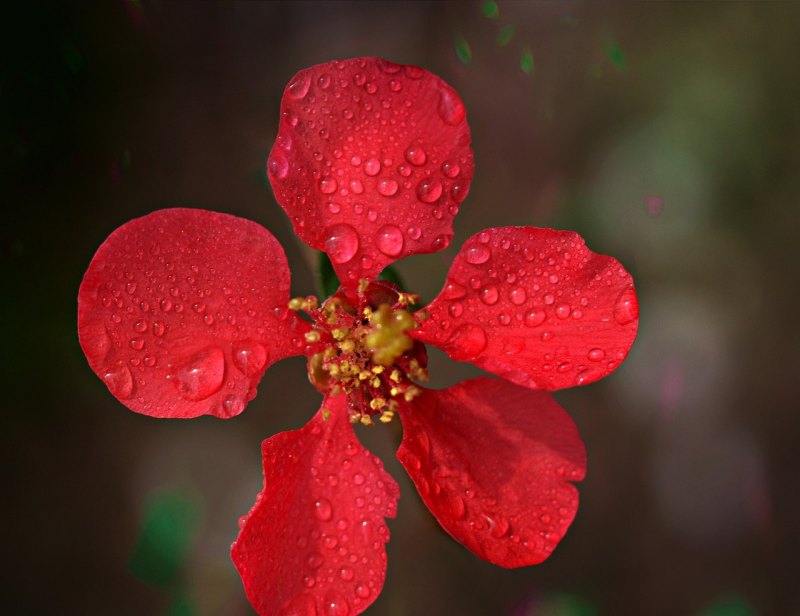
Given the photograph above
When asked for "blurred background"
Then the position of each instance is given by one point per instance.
(665, 133)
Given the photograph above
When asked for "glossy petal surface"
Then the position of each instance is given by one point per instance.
(371, 162)
(313, 543)
(182, 311)
(536, 307)
(493, 462)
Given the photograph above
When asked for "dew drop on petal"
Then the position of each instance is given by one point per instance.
(477, 254)
(534, 318)
(119, 380)
(626, 308)
(563, 311)
(335, 605)
(451, 109)
(451, 170)
(489, 295)
(597, 354)
(467, 341)
(416, 156)
(390, 240)
(387, 187)
(372, 166)
(341, 243)
(201, 375)
(249, 357)
(278, 166)
(518, 296)
(323, 509)
(328, 185)
(299, 87)
(429, 190)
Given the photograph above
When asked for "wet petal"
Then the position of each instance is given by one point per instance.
(182, 311)
(371, 162)
(536, 307)
(493, 462)
(314, 541)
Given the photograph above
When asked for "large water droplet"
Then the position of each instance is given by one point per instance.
(323, 509)
(563, 311)
(416, 156)
(489, 296)
(335, 605)
(597, 354)
(278, 166)
(467, 342)
(453, 290)
(626, 309)
(341, 243)
(389, 240)
(299, 87)
(372, 166)
(328, 185)
(388, 187)
(534, 318)
(201, 375)
(451, 109)
(119, 380)
(249, 357)
(477, 254)
(518, 296)
(429, 190)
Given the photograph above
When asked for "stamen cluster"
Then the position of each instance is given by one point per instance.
(365, 350)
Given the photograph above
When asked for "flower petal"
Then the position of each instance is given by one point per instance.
(314, 541)
(182, 311)
(371, 162)
(493, 462)
(536, 307)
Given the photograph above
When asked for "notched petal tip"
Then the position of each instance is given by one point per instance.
(536, 307)
(511, 504)
(181, 312)
(313, 543)
(371, 162)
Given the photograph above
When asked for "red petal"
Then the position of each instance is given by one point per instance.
(315, 538)
(182, 311)
(536, 307)
(371, 162)
(493, 462)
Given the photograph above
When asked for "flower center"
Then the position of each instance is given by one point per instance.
(365, 350)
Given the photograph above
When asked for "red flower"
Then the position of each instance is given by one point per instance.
(182, 311)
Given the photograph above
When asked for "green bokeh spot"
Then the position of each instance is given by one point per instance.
(505, 35)
(730, 606)
(168, 525)
(615, 54)
(564, 604)
(463, 51)
(490, 10)
(526, 61)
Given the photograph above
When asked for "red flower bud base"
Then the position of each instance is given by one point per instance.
(181, 312)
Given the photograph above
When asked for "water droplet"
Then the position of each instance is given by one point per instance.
(414, 233)
(390, 240)
(456, 309)
(387, 187)
(140, 326)
(518, 296)
(278, 166)
(335, 605)
(119, 380)
(356, 186)
(563, 311)
(358, 479)
(467, 342)
(346, 573)
(333, 207)
(453, 290)
(489, 296)
(498, 525)
(477, 254)
(372, 166)
(250, 357)
(341, 243)
(455, 505)
(201, 375)
(534, 318)
(451, 109)
(429, 190)
(323, 509)
(299, 87)
(549, 298)
(232, 406)
(158, 328)
(626, 309)
(416, 156)
(314, 560)
(362, 591)
(504, 319)
(328, 185)
(597, 354)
